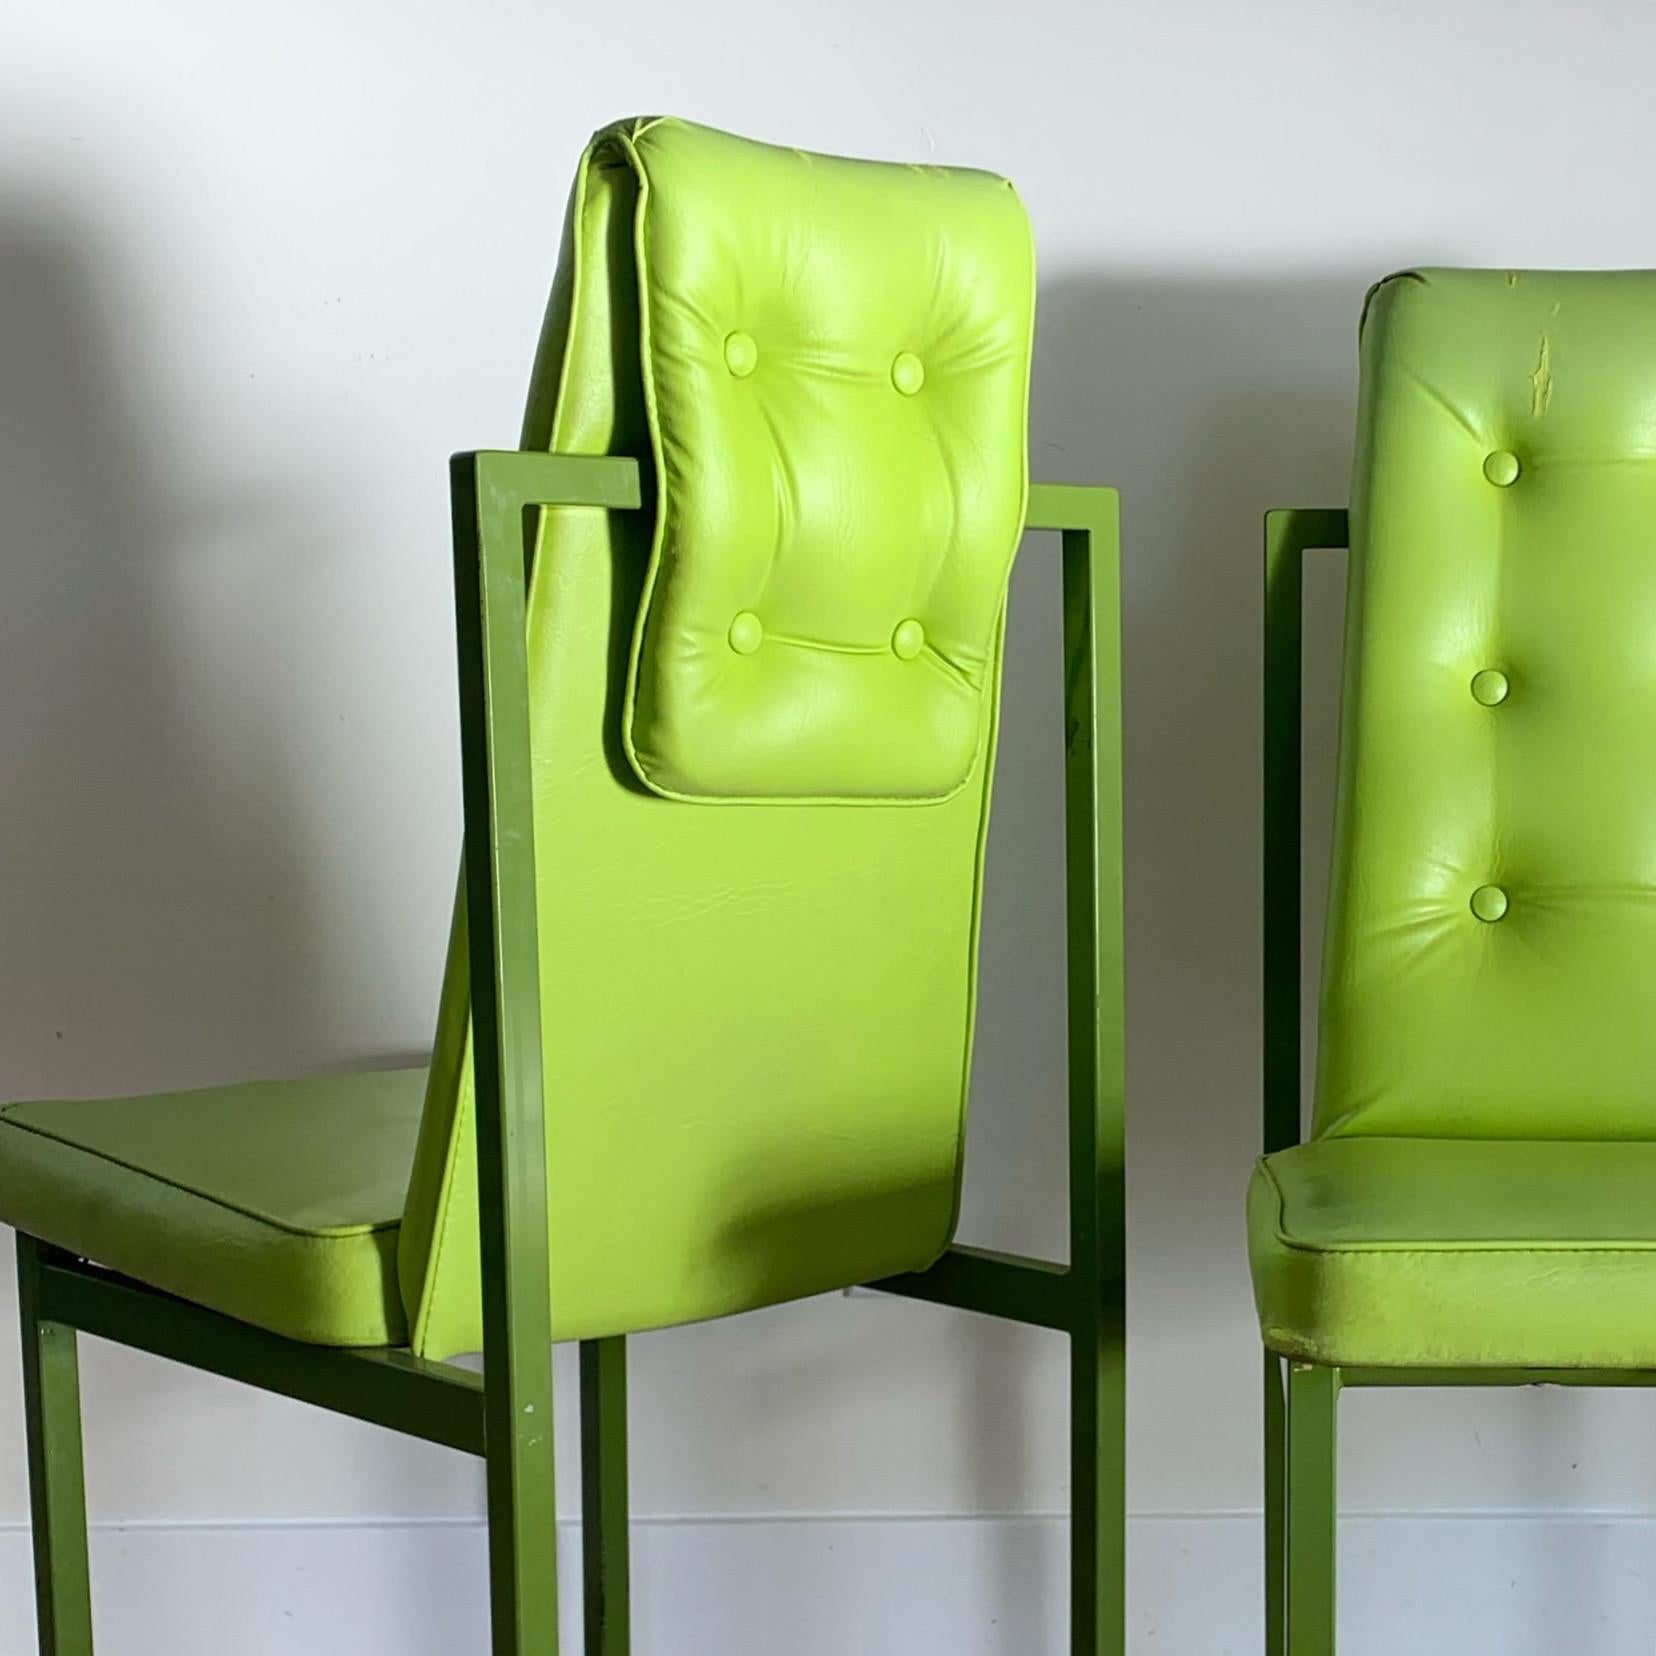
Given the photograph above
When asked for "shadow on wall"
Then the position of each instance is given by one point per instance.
(154, 910)
(1205, 404)
(157, 910)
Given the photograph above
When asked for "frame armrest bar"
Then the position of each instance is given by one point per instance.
(1289, 535)
(515, 478)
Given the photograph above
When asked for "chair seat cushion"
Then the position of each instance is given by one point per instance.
(1457, 1253)
(276, 1202)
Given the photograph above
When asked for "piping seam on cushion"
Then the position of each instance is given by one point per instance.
(314, 1232)
(1422, 1246)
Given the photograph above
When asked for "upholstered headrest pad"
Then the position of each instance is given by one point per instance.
(835, 357)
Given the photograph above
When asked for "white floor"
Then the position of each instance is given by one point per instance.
(1498, 1585)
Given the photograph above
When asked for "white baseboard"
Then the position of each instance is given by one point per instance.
(1475, 1585)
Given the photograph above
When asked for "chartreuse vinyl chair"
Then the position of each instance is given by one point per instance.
(1476, 1202)
(730, 632)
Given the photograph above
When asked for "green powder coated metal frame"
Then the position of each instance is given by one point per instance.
(1302, 1399)
(505, 1415)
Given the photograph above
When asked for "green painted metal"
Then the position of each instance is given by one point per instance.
(1313, 1412)
(391, 1388)
(1035, 1291)
(1087, 1298)
(604, 1542)
(491, 495)
(1276, 1505)
(57, 1486)
(1289, 535)
(505, 1415)
(1097, 1080)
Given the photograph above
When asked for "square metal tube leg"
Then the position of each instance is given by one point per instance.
(1097, 1494)
(1311, 1529)
(1276, 1505)
(604, 1550)
(57, 1489)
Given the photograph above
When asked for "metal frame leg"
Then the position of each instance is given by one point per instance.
(604, 1549)
(57, 1486)
(1098, 1492)
(1311, 1528)
(1276, 1505)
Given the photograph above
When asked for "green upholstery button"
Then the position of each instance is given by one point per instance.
(1490, 687)
(740, 353)
(908, 373)
(1501, 468)
(747, 633)
(1489, 903)
(908, 639)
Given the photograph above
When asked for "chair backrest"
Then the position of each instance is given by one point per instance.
(1490, 966)
(763, 727)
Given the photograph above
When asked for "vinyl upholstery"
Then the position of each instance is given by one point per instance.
(1488, 1020)
(834, 360)
(277, 1202)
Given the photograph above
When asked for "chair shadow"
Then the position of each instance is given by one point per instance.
(159, 898)
(161, 917)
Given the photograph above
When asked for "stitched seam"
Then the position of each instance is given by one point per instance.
(647, 384)
(987, 748)
(424, 1310)
(457, 1131)
(1279, 1228)
(319, 1232)
(987, 759)
(1438, 1248)
(307, 1259)
(1422, 1247)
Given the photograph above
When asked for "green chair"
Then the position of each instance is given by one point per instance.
(1476, 1202)
(730, 632)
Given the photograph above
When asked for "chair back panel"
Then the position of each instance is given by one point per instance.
(757, 969)
(1490, 966)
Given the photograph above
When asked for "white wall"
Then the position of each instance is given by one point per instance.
(262, 267)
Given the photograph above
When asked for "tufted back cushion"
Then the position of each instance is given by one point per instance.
(1491, 959)
(836, 373)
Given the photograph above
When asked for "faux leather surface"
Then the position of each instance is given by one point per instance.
(835, 366)
(1541, 1021)
(1403, 1252)
(757, 1019)
(1483, 1183)
(275, 1202)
